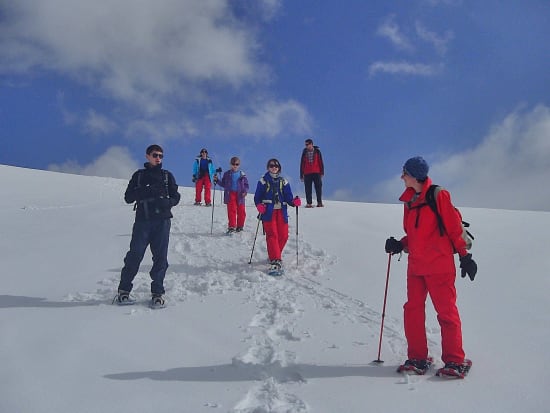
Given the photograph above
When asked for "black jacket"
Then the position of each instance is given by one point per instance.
(154, 190)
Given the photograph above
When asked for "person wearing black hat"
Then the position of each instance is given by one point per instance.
(155, 192)
(431, 269)
(203, 177)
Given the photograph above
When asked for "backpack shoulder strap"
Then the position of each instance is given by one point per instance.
(166, 183)
(431, 197)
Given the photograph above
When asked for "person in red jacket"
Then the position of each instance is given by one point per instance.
(431, 268)
(312, 171)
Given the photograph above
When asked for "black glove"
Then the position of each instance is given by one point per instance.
(393, 246)
(219, 170)
(194, 179)
(468, 266)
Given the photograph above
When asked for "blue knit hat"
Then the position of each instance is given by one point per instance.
(416, 167)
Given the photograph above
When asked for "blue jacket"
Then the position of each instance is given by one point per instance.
(211, 169)
(267, 192)
(226, 183)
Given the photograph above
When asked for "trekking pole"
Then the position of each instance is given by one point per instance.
(255, 236)
(383, 311)
(296, 236)
(213, 202)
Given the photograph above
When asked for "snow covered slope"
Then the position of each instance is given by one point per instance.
(233, 339)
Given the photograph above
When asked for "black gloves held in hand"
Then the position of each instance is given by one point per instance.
(393, 246)
(468, 266)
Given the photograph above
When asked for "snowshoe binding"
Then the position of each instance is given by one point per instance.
(123, 298)
(415, 366)
(157, 301)
(455, 370)
(275, 268)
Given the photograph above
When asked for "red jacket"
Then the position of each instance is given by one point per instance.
(429, 252)
(315, 167)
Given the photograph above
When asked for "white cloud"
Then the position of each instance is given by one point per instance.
(266, 119)
(509, 169)
(439, 42)
(390, 30)
(160, 130)
(405, 68)
(136, 51)
(116, 162)
(98, 124)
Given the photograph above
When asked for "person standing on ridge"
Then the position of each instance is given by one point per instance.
(203, 176)
(273, 195)
(235, 187)
(312, 171)
(431, 270)
(155, 192)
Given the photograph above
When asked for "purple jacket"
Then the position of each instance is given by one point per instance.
(227, 181)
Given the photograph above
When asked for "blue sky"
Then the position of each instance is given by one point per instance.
(86, 86)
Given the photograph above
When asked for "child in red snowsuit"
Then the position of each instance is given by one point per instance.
(235, 185)
(273, 195)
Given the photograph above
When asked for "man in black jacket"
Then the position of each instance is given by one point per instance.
(154, 191)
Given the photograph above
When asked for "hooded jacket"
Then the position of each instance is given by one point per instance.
(429, 251)
(315, 167)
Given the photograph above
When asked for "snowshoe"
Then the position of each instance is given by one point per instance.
(275, 268)
(197, 203)
(240, 229)
(157, 301)
(230, 231)
(415, 366)
(455, 370)
(123, 298)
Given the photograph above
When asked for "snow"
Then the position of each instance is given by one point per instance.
(235, 340)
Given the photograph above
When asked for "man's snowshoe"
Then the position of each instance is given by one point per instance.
(415, 366)
(455, 370)
(123, 298)
(157, 302)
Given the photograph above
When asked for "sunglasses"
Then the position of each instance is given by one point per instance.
(235, 164)
(273, 165)
(157, 155)
(307, 144)
(204, 152)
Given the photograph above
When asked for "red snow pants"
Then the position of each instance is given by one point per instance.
(276, 235)
(441, 288)
(236, 214)
(203, 182)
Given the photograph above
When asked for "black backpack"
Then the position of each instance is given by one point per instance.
(431, 196)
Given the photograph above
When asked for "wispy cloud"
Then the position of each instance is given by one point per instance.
(116, 162)
(510, 167)
(98, 124)
(405, 68)
(439, 42)
(390, 30)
